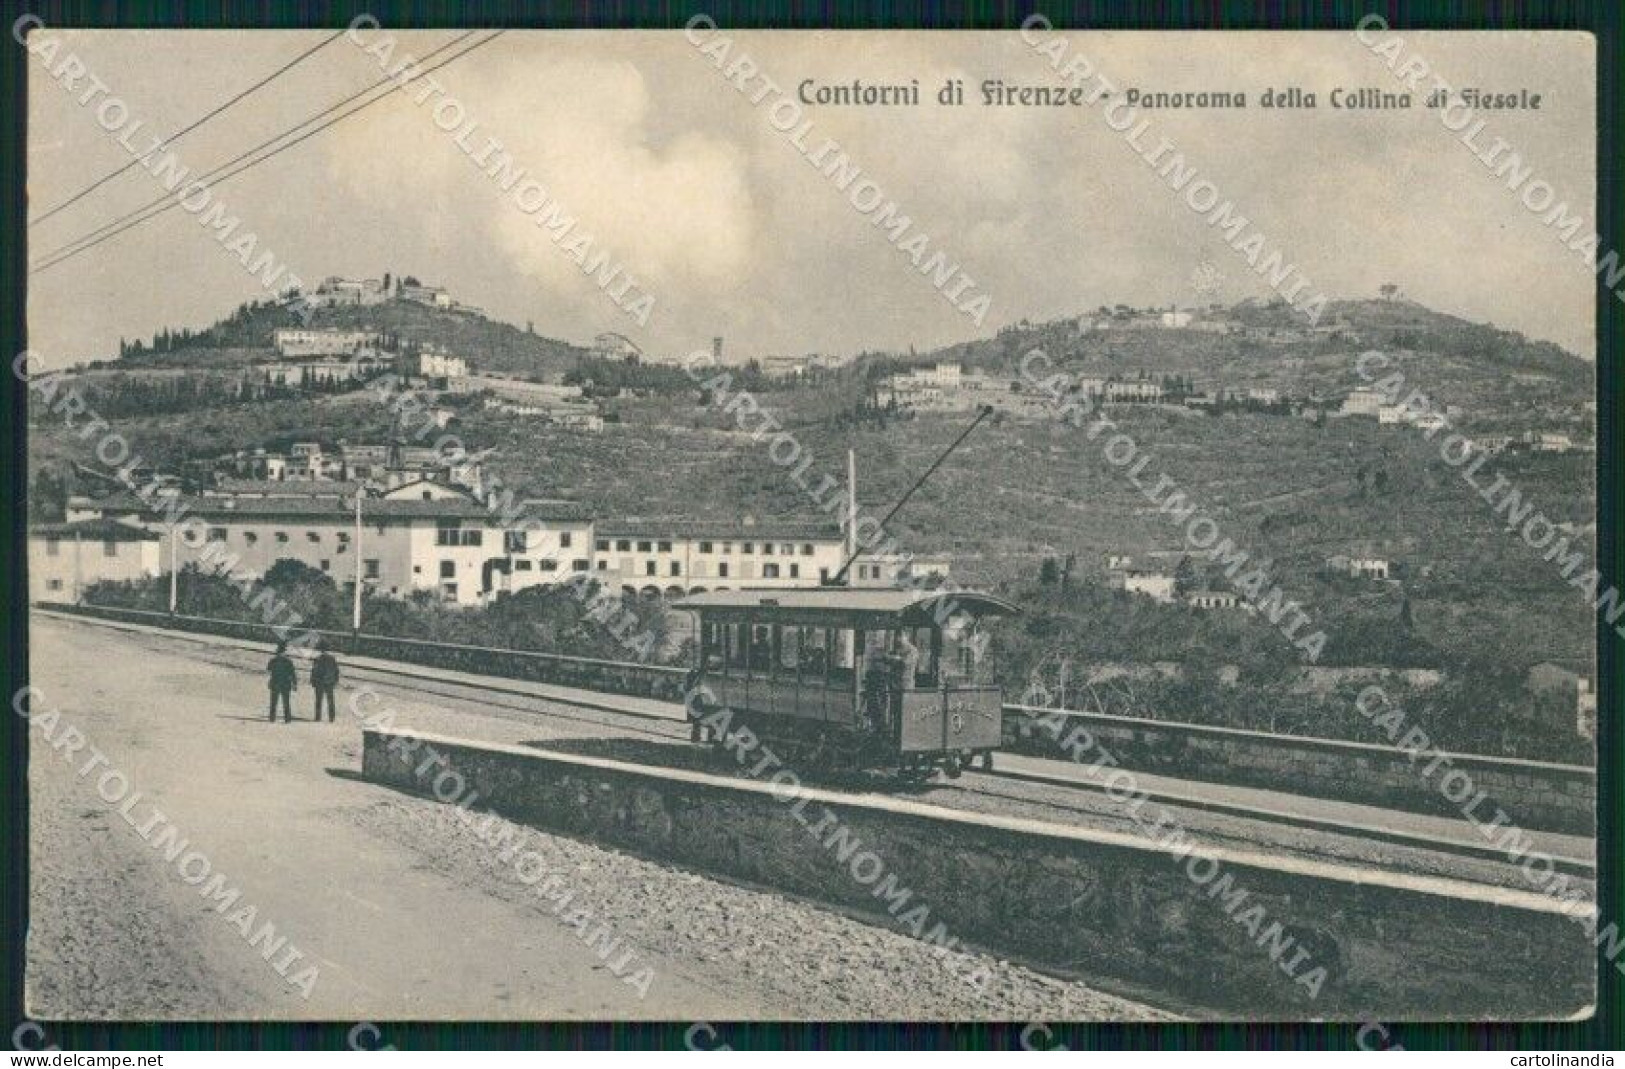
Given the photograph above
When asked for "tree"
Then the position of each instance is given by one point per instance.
(1049, 573)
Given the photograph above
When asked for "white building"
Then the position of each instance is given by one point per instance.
(897, 569)
(324, 341)
(654, 556)
(443, 542)
(1136, 391)
(949, 388)
(1362, 402)
(431, 363)
(432, 296)
(65, 558)
(303, 372)
(1176, 319)
(1153, 585)
(340, 292)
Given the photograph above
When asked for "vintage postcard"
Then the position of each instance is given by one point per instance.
(717, 525)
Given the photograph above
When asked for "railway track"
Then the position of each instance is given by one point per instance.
(1045, 795)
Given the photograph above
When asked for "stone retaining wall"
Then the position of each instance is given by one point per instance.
(1215, 931)
(1535, 794)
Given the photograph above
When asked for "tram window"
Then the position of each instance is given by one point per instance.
(736, 646)
(789, 658)
(761, 654)
(840, 656)
(814, 653)
(711, 646)
(925, 662)
(962, 648)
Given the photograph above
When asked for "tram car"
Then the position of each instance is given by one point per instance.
(849, 679)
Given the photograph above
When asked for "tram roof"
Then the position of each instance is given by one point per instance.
(835, 602)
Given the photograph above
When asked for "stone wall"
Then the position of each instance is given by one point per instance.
(587, 673)
(1215, 932)
(1535, 794)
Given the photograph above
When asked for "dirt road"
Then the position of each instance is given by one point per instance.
(402, 912)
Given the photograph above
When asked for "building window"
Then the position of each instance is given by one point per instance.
(449, 534)
(665, 547)
(313, 536)
(705, 547)
(327, 566)
(603, 545)
(514, 541)
(823, 575)
(521, 565)
(282, 536)
(564, 539)
(546, 565)
(53, 547)
(250, 537)
(623, 544)
(795, 571)
(217, 534)
(746, 547)
(645, 547)
(767, 549)
(649, 567)
(806, 549)
(788, 551)
(579, 565)
(676, 568)
(727, 547)
(53, 584)
(109, 548)
(722, 570)
(448, 569)
(369, 568)
(770, 571)
(603, 565)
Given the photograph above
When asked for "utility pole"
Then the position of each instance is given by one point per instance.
(78, 573)
(355, 611)
(174, 574)
(851, 506)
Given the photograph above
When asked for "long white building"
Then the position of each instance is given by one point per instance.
(682, 556)
(434, 536)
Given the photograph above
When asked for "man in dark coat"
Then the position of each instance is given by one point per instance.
(324, 676)
(283, 678)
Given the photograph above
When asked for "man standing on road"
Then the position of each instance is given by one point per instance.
(324, 676)
(283, 679)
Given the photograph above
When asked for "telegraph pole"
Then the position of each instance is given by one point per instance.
(174, 574)
(355, 612)
(851, 506)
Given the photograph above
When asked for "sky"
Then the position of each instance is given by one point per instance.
(688, 184)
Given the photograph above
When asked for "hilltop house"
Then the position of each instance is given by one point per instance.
(1360, 567)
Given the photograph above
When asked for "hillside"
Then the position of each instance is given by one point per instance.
(1021, 492)
(246, 336)
(1267, 346)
